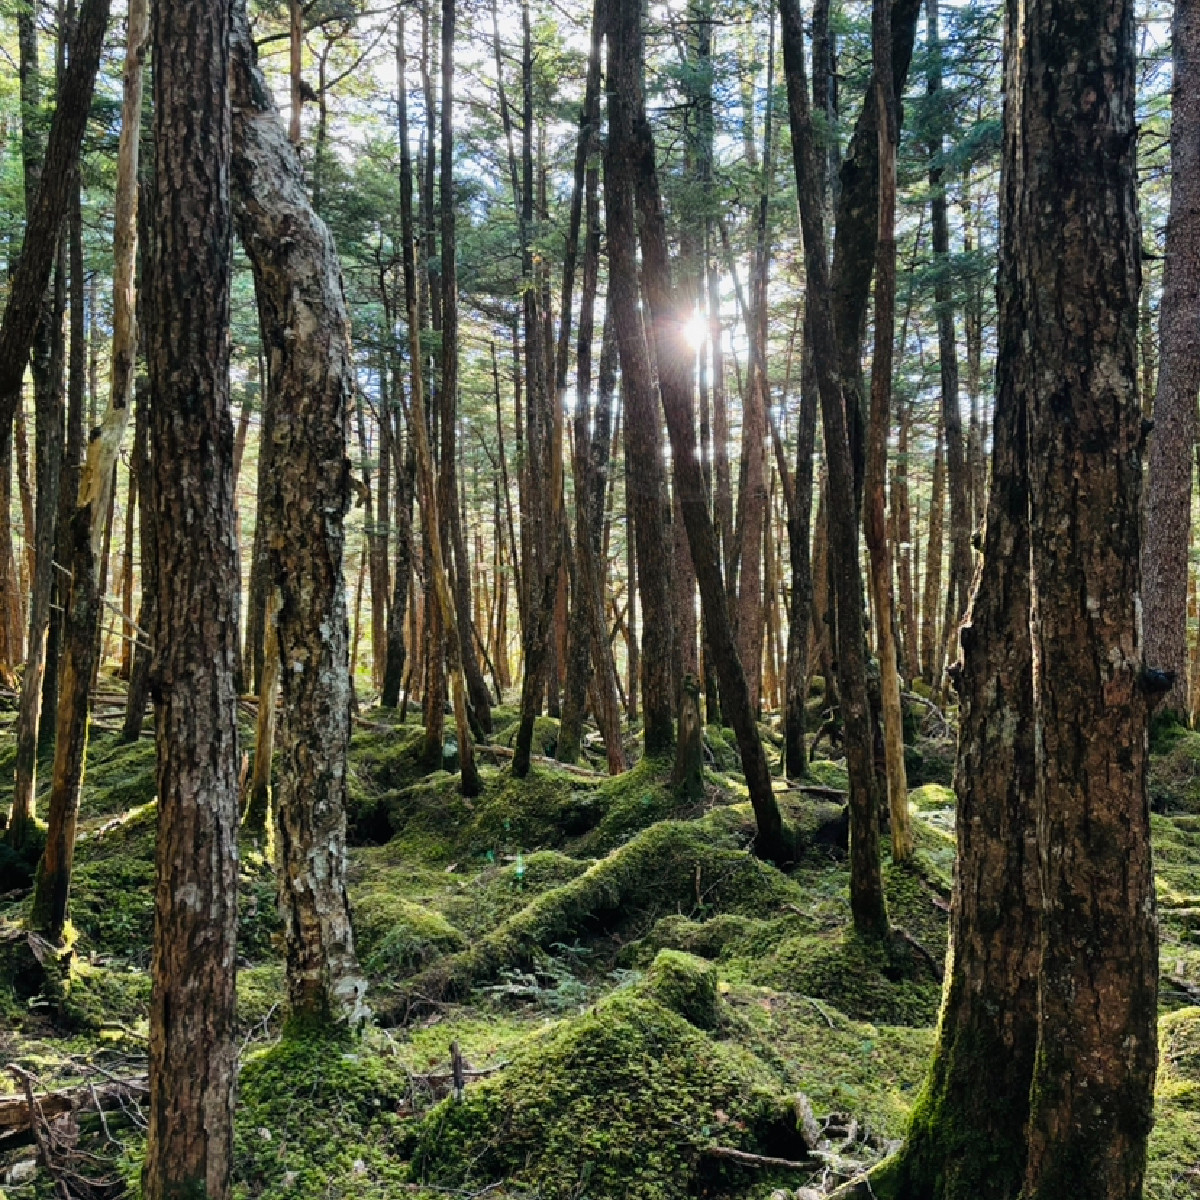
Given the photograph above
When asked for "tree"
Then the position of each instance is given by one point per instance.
(89, 517)
(306, 332)
(1068, 1111)
(1075, 271)
(192, 1055)
(630, 163)
(866, 883)
(645, 482)
(1169, 491)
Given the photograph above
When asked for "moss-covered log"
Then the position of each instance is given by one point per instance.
(668, 865)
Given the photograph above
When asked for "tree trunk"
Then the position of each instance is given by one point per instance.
(856, 234)
(86, 526)
(583, 590)
(1169, 493)
(258, 805)
(631, 149)
(931, 646)
(28, 282)
(967, 1142)
(139, 679)
(957, 467)
(418, 433)
(866, 884)
(306, 336)
(477, 691)
(644, 479)
(192, 1018)
(1072, 260)
(874, 522)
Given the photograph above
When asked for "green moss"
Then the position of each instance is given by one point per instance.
(825, 772)
(545, 735)
(395, 937)
(671, 864)
(862, 978)
(318, 1117)
(112, 890)
(1175, 770)
(17, 867)
(1174, 1147)
(615, 1103)
(120, 775)
(719, 743)
(686, 985)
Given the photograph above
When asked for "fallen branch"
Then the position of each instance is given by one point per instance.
(825, 793)
(15, 1111)
(754, 1160)
(570, 768)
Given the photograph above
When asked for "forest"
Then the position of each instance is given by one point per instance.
(599, 601)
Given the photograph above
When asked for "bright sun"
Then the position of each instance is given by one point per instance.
(696, 330)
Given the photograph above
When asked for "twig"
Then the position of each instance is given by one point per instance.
(35, 1115)
(754, 1160)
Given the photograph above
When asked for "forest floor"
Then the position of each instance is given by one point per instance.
(638, 1008)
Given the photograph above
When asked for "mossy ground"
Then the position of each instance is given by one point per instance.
(627, 985)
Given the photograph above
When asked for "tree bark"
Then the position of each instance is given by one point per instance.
(874, 522)
(644, 481)
(418, 432)
(139, 678)
(86, 528)
(856, 235)
(1169, 493)
(306, 333)
(967, 1142)
(931, 645)
(957, 467)
(192, 1017)
(1073, 263)
(866, 883)
(28, 283)
(631, 142)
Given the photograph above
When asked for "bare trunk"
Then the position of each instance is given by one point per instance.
(875, 523)
(866, 885)
(1169, 493)
(192, 1012)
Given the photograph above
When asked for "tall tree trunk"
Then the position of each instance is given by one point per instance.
(967, 1142)
(752, 497)
(192, 1017)
(584, 571)
(306, 336)
(27, 284)
(856, 234)
(631, 147)
(1169, 493)
(874, 520)
(866, 884)
(418, 432)
(477, 690)
(644, 480)
(139, 678)
(1072, 261)
(86, 525)
(957, 467)
(931, 646)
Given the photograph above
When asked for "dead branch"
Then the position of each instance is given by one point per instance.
(753, 1160)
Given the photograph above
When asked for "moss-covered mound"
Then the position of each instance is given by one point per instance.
(620, 1102)
(320, 1118)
